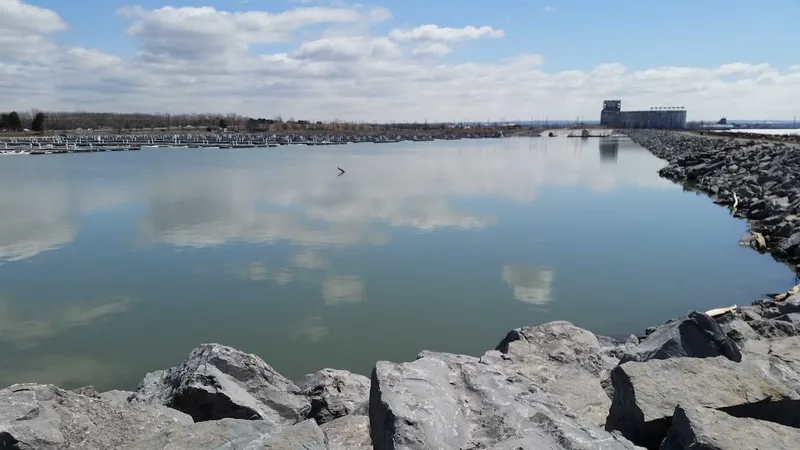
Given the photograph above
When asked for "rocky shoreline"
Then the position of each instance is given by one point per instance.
(759, 180)
(720, 380)
(728, 380)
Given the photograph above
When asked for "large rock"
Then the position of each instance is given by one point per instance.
(214, 434)
(443, 401)
(218, 382)
(237, 434)
(564, 360)
(117, 396)
(335, 393)
(709, 429)
(780, 358)
(775, 328)
(773, 309)
(697, 336)
(646, 394)
(306, 435)
(44, 417)
(348, 433)
(747, 323)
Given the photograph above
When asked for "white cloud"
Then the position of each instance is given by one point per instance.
(24, 31)
(742, 69)
(348, 49)
(331, 63)
(549, 8)
(433, 49)
(434, 33)
(16, 15)
(203, 32)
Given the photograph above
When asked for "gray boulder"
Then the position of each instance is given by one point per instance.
(748, 324)
(773, 308)
(696, 336)
(218, 382)
(306, 435)
(646, 394)
(335, 393)
(214, 434)
(237, 434)
(739, 330)
(348, 433)
(117, 396)
(736, 324)
(444, 401)
(564, 360)
(775, 328)
(709, 429)
(44, 417)
(616, 349)
(780, 358)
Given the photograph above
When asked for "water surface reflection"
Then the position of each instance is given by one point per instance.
(270, 251)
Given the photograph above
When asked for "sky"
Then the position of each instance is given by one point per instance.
(402, 60)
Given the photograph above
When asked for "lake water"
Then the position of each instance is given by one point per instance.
(116, 264)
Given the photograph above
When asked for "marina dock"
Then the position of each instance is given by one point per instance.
(83, 143)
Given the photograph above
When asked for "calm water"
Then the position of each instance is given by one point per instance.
(112, 265)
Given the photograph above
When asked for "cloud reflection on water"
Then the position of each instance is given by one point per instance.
(340, 289)
(25, 324)
(417, 187)
(532, 285)
(44, 215)
(67, 372)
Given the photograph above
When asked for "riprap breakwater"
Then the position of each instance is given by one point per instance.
(758, 180)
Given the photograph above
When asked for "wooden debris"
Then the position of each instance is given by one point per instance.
(720, 311)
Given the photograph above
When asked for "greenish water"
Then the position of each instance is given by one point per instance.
(112, 265)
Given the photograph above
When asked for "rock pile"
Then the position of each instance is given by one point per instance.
(759, 180)
(726, 382)
(218, 398)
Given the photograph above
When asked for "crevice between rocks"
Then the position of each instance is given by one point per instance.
(204, 406)
(8, 442)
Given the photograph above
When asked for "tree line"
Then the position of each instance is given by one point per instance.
(13, 121)
(55, 122)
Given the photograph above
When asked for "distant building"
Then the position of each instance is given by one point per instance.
(658, 117)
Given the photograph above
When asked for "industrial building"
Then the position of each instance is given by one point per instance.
(657, 117)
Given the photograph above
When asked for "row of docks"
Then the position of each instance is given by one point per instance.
(59, 144)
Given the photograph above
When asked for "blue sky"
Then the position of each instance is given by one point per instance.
(575, 34)
(571, 38)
